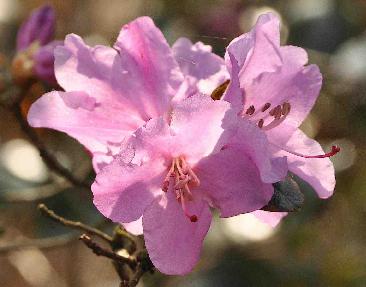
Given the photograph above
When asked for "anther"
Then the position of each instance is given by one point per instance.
(275, 111)
(165, 186)
(286, 107)
(260, 123)
(266, 107)
(250, 110)
(193, 218)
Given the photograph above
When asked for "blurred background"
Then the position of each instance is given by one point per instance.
(322, 245)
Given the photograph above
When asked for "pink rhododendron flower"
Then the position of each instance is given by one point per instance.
(110, 92)
(272, 87)
(164, 152)
(174, 168)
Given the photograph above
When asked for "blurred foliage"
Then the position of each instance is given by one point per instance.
(322, 245)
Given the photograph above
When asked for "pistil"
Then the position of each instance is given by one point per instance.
(335, 149)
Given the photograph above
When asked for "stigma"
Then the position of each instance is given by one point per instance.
(179, 179)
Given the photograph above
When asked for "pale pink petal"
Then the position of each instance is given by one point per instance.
(197, 125)
(152, 75)
(151, 141)
(194, 130)
(254, 143)
(100, 160)
(123, 149)
(172, 240)
(257, 51)
(134, 227)
(84, 118)
(232, 182)
(270, 218)
(79, 67)
(318, 172)
(234, 94)
(198, 61)
(123, 190)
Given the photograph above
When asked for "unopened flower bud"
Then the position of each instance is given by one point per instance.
(44, 60)
(39, 27)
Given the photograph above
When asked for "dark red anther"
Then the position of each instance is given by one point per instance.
(260, 123)
(165, 186)
(286, 107)
(193, 218)
(275, 111)
(250, 110)
(266, 107)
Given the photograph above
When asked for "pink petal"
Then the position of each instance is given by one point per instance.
(253, 142)
(234, 94)
(123, 190)
(82, 117)
(152, 75)
(197, 125)
(270, 218)
(232, 181)
(318, 172)
(257, 51)
(188, 134)
(198, 61)
(172, 240)
(134, 227)
(79, 67)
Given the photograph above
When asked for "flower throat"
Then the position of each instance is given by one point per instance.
(179, 177)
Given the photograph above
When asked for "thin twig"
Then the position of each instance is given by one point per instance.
(137, 276)
(100, 251)
(48, 158)
(73, 224)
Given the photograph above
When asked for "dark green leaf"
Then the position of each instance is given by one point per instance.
(287, 196)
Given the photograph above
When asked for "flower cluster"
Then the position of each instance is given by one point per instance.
(165, 152)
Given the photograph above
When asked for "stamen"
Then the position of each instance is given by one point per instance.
(184, 176)
(334, 151)
(192, 218)
(276, 122)
(280, 114)
(191, 173)
(166, 181)
(266, 107)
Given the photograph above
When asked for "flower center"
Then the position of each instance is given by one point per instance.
(179, 177)
(278, 114)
